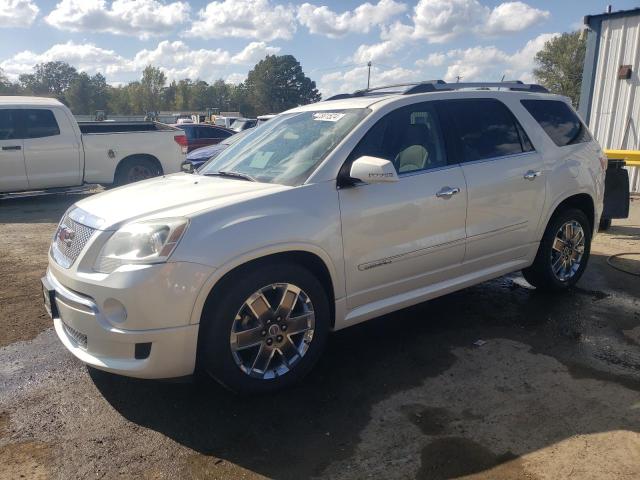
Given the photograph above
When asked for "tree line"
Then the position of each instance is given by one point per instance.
(274, 84)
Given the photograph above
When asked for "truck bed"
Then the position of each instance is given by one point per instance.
(122, 127)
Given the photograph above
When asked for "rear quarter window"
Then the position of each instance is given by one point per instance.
(558, 120)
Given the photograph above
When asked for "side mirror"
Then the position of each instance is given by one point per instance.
(187, 167)
(373, 170)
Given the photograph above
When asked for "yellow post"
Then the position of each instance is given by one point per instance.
(631, 157)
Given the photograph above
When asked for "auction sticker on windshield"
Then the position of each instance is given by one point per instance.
(327, 116)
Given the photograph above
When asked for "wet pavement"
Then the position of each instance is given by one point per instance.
(551, 391)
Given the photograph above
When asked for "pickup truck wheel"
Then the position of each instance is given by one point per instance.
(563, 252)
(265, 329)
(136, 169)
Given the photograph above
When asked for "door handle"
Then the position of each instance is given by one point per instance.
(12, 147)
(531, 175)
(447, 192)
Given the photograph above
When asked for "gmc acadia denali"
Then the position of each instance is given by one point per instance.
(328, 215)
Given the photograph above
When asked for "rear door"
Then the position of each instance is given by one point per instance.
(52, 150)
(402, 236)
(13, 174)
(504, 175)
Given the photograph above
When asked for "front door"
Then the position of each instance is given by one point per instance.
(13, 175)
(52, 151)
(401, 236)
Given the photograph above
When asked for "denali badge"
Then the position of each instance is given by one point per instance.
(65, 235)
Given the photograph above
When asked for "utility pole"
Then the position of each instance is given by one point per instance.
(458, 78)
(368, 74)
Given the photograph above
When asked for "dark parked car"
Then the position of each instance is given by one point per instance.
(200, 135)
(198, 157)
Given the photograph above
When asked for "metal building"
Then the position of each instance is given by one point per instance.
(610, 95)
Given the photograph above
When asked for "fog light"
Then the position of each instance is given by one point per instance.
(114, 310)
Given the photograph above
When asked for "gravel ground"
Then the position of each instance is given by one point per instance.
(554, 392)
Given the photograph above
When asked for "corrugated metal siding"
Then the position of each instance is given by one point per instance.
(615, 109)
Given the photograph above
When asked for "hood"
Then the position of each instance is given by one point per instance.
(205, 153)
(180, 194)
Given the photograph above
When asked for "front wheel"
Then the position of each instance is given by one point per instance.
(264, 328)
(563, 252)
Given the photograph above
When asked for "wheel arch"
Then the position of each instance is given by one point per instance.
(582, 201)
(136, 156)
(315, 260)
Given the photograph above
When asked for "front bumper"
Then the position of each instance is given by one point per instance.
(163, 342)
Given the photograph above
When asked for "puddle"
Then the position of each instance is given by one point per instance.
(455, 457)
(430, 420)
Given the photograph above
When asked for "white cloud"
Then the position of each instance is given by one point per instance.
(140, 18)
(439, 21)
(433, 60)
(235, 78)
(489, 63)
(85, 57)
(356, 79)
(258, 19)
(253, 53)
(323, 21)
(513, 17)
(17, 13)
(176, 59)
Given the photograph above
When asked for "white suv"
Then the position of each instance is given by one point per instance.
(326, 216)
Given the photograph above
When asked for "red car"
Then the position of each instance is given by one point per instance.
(200, 135)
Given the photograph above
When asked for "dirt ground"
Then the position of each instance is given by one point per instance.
(554, 392)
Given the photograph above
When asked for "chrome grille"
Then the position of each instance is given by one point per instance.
(80, 339)
(69, 240)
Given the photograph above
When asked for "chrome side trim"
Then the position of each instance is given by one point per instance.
(409, 255)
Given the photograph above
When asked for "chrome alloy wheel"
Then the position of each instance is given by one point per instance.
(272, 330)
(139, 172)
(567, 250)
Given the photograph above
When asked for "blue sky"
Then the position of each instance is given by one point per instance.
(405, 40)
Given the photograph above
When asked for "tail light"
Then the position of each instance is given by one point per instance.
(604, 162)
(182, 141)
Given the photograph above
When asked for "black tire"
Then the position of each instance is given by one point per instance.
(605, 224)
(540, 274)
(135, 169)
(215, 356)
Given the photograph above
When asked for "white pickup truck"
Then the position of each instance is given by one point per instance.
(43, 147)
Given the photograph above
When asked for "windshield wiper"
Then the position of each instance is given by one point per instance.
(232, 174)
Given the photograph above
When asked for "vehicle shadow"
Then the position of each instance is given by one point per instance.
(47, 208)
(298, 433)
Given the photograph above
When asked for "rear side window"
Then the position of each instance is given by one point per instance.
(485, 128)
(40, 123)
(8, 124)
(558, 120)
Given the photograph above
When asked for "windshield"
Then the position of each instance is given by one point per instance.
(288, 148)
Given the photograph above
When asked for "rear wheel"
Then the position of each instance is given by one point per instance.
(265, 328)
(135, 169)
(563, 252)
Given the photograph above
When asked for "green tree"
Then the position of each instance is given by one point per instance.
(50, 78)
(151, 86)
(278, 83)
(7, 87)
(560, 64)
(99, 92)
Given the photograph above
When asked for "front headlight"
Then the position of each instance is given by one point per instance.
(145, 242)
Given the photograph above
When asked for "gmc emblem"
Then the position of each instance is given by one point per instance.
(65, 235)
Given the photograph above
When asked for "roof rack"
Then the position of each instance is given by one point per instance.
(441, 86)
